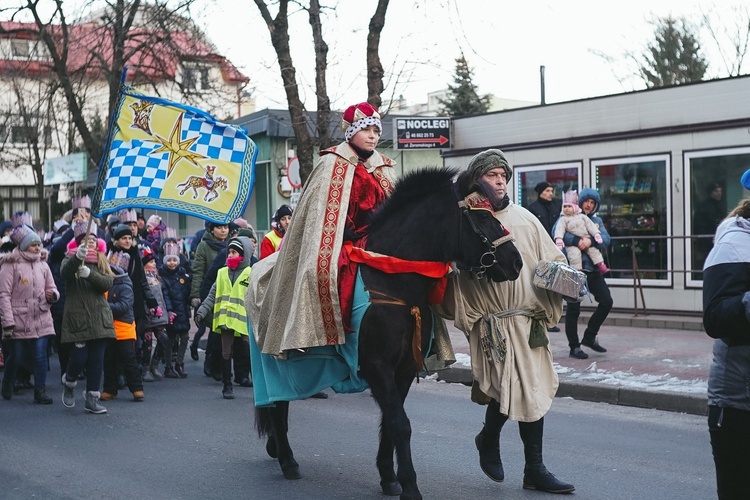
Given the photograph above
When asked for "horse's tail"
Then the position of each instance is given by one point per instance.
(263, 422)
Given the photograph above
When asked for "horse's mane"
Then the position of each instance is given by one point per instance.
(412, 187)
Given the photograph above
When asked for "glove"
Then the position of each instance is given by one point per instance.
(598, 238)
(7, 332)
(198, 320)
(84, 272)
(172, 316)
(81, 252)
(195, 302)
(156, 311)
(559, 243)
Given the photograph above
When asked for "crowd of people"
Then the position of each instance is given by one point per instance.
(115, 302)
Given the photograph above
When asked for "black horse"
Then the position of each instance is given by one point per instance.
(427, 218)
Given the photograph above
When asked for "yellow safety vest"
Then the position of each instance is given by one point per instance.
(274, 238)
(229, 303)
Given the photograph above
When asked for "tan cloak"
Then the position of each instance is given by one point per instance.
(524, 383)
(293, 299)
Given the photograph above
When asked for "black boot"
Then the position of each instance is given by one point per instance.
(7, 389)
(41, 397)
(226, 375)
(488, 443)
(589, 340)
(535, 474)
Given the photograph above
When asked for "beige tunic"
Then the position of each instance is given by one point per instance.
(524, 383)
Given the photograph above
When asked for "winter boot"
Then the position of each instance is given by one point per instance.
(180, 369)
(226, 375)
(146, 374)
(41, 397)
(589, 340)
(7, 390)
(68, 395)
(108, 396)
(154, 368)
(602, 268)
(92, 403)
(169, 372)
(535, 474)
(488, 443)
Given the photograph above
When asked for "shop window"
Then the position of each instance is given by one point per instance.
(562, 176)
(634, 209)
(714, 191)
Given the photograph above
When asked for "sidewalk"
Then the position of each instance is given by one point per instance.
(646, 364)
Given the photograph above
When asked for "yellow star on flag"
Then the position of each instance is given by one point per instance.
(177, 149)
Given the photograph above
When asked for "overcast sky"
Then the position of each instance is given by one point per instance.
(504, 42)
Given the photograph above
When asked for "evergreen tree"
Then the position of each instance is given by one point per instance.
(462, 97)
(673, 57)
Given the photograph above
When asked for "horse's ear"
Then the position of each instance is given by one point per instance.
(463, 184)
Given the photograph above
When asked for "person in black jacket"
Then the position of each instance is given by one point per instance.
(726, 318)
(547, 211)
(143, 299)
(176, 290)
(545, 208)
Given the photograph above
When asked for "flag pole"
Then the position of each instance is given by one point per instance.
(99, 191)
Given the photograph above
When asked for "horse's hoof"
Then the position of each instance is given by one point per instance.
(392, 489)
(271, 447)
(292, 472)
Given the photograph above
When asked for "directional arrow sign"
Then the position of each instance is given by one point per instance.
(422, 132)
(442, 140)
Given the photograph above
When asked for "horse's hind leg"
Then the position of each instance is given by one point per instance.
(395, 432)
(277, 445)
(388, 480)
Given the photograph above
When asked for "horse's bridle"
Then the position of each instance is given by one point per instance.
(488, 259)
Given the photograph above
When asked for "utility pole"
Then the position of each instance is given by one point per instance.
(541, 81)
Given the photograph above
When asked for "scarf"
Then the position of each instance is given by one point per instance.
(234, 262)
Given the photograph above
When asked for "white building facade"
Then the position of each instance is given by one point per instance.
(656, 157)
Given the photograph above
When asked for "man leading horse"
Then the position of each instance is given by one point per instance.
(506, 325)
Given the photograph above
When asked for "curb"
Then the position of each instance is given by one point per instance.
(587, 391)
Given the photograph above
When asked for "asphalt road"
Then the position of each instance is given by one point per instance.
(186, 442)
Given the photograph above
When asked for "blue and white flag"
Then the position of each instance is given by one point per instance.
(162, 155)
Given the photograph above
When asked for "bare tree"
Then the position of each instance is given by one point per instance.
(278, 28)
(375, 71)
(28, 131)
(153, 38)
(731, 36)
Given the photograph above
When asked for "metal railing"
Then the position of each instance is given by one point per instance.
(637, 271)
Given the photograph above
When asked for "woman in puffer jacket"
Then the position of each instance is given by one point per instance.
(27, 290)
(87, 320)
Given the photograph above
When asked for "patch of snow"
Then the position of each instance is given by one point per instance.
(462, 360)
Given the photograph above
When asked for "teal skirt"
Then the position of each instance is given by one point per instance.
(303, 374)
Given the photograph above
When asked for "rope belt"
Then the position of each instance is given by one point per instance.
(493, 341)
(416, 341)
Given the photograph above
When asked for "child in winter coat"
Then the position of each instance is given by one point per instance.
(574, 222)
(27, 290)
(87, 319)
(156, 322)
(176, 290)
(226, 300)
(119, 354)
